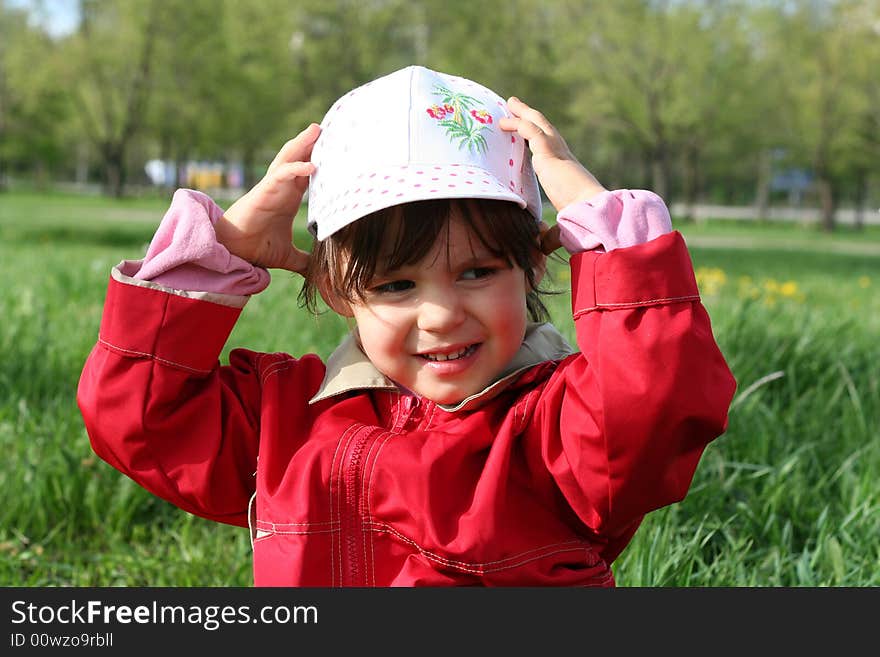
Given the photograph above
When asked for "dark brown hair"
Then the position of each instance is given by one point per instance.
(348, 260)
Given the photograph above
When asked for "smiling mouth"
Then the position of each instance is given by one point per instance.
(455, 355)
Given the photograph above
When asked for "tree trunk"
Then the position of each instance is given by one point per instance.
(41, 175)
(861, 198)
(659, 172)
(691, 182)
(119, 128)
(762, 186)
(114, 169)
(82, 164)
(826, 200)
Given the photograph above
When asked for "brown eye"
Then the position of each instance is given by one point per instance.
(477, 272)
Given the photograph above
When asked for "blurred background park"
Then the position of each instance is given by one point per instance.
(757, 120)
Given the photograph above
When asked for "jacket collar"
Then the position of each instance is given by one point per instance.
(349, 369)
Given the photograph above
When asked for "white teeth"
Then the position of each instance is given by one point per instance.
(453, 356)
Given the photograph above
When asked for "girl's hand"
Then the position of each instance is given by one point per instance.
(564, 179)
(259, 226)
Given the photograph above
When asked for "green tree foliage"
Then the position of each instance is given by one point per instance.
(187, 81)
(696, 99)
(660, 86)
(822, 59)
(111, 60)
(33, 105)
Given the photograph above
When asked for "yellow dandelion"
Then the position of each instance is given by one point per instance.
(788, 289)
(864, 282)
(710, 279)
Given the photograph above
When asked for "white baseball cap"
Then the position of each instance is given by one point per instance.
(413, 135)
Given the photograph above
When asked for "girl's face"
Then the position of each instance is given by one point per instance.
(446, 326)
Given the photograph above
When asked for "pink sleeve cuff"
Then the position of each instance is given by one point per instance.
(185, 254)
(613, 220)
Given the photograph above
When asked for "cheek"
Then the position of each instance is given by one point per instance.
(506, 313)
(380, 332)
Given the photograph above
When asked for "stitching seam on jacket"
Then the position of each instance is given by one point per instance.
(280, 526)
(636, 304)
(144, 354)
(274, 368)
(300, 531)
(478, 568)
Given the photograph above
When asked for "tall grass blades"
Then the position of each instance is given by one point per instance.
(789, 496)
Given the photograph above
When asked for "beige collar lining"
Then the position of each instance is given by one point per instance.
(348, 368)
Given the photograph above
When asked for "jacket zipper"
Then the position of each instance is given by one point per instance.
(353, 540)
(411, 404)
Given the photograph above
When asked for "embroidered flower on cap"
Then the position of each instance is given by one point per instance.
(482, 116)
(460, 125)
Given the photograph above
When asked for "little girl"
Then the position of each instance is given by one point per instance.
(453, 438)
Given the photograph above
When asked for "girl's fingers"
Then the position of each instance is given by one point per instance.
(540, 143)
(523, 111)
(287, 178)
(289, 170)
(297, 149)
(523, 127)
(548, 238)
(297, 261)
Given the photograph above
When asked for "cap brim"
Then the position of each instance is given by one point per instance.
(386, 187)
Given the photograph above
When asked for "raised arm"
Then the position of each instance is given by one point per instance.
(621, 425)
(156, 403)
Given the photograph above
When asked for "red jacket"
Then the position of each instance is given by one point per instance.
(542, 479)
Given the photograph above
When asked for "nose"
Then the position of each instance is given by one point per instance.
(441, 309)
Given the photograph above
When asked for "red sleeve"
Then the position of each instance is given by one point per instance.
(622, 425)
(158, 407)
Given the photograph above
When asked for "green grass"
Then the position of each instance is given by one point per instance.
(789, 496)
(781, 231)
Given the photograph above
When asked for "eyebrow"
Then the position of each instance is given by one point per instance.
(470, 262)
(481, 260)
